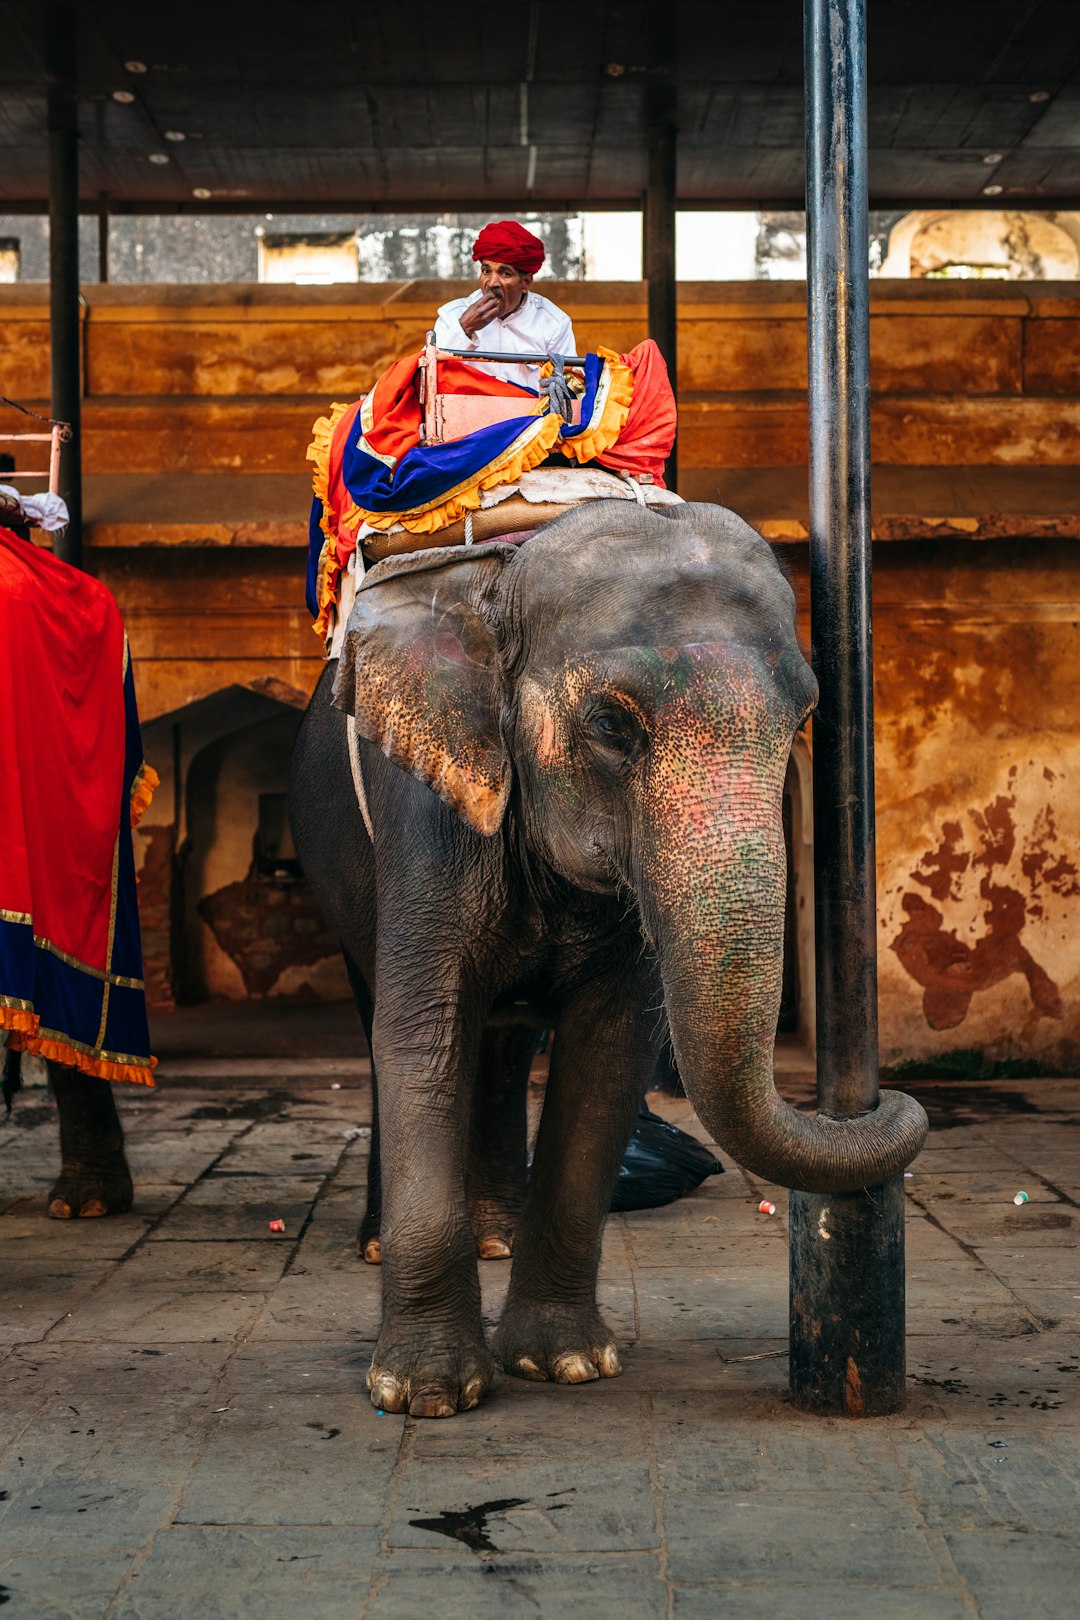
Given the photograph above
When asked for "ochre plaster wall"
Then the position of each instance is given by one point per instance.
(198, 411)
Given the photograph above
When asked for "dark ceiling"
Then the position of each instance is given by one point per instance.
(376, 105)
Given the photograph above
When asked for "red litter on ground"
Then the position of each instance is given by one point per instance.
(277, 1226)
(765, 1208)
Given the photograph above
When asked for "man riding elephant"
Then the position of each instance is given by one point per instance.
(504, 314)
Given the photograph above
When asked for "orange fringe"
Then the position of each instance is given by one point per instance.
(21, 1026)
(143, 789)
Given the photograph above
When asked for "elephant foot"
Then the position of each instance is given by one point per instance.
(429, 1382)
(368, 1246)
(91, 1193)
(494, 1228)
(556, 1344)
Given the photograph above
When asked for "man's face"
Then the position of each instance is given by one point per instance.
(505, 283)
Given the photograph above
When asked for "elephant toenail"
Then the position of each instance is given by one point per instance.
(574, 1369)
(473, 1393)
(494, 1248)
(92, 1208)
(526, 1367)
(371, 1253)
(608, 1362)
(386, 1392)
(60, 1209)
(432, 1403)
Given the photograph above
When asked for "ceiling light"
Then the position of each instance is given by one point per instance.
(992, 158)
(175, 135)
(615, 70)
(123, 96)
(1039, 95)
(159, 157)
(202, 192)
(135, 67)
(993, 191)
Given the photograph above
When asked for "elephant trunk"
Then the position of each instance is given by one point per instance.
(713, 897)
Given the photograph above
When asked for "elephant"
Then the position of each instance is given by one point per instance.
(572, 754)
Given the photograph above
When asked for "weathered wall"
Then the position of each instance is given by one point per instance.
(198, 413)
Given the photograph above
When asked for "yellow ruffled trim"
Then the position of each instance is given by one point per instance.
(617, 385)
(527, 451)
(143, 788)
(318, 452)
(22, 1037)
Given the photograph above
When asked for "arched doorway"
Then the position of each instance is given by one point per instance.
(226, 912)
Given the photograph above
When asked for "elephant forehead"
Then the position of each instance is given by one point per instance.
(713, 680)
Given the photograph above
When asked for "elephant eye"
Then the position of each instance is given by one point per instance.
(615, 730)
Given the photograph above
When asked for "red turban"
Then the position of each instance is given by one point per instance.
(504, 241)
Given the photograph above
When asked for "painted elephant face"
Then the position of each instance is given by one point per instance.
(584, 666)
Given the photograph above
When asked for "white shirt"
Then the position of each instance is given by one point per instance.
(537, 326)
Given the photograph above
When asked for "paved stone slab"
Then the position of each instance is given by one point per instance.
(813, 1535)
(541, 1421)
(848, 1601)
(1010, 1572)
(577, 1506)
(237, 1573)
(494, 1586)
(54, 1585)
(703, 1443)
(332, 1457)
(701, 1302)
(161, 1315)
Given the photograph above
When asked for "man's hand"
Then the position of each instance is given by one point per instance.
(474, 316)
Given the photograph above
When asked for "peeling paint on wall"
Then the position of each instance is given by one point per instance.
(950, 968)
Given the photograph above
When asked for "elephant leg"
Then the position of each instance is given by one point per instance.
(368, 1239)
(431, 1359)
(498, 1139)
(94, 1175)
(368, 1246)
(551, 1327)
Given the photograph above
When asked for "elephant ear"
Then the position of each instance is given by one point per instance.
(420, 672)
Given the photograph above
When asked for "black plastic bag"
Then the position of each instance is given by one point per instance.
(661, 1164)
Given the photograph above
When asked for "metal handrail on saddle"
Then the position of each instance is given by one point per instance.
(453, 416)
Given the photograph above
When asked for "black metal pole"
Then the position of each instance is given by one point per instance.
(64, 265)
(658, 223)
(847, 1252)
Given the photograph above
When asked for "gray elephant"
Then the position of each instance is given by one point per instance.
(579, 809)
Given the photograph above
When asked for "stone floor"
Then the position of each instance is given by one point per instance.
(170, 1381)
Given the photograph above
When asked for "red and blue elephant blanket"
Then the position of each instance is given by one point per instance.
(371, 466)
(73, 782)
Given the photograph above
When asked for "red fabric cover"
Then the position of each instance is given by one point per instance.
(61, 727)
(504, 241)
(645, 442)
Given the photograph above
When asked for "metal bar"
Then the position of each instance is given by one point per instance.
(847, 1339)
(658, 222)
(516, 359)
(64, 264)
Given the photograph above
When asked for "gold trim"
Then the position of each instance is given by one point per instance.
(112, 937)
(117, 979)
(128, 1059)
(16, 917)
(538, 427)
(19, 1006)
